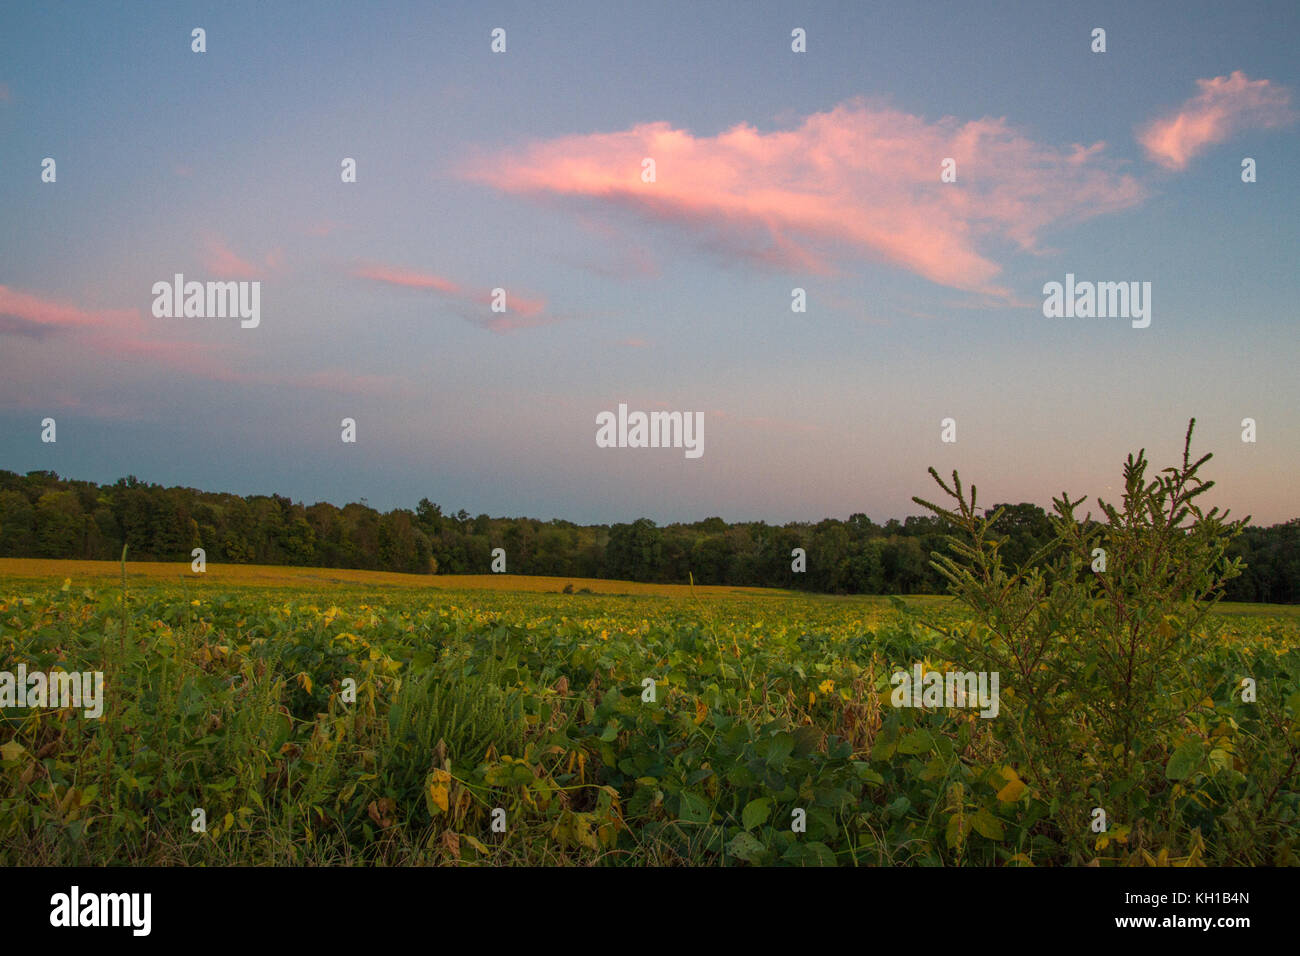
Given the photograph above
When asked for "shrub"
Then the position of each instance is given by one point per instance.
(1099, 667)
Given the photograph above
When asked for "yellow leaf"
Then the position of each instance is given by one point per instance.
(439, 782)
(1012, 791)
(11, 750)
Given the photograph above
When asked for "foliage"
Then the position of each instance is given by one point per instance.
(42, 515)
(233, 698)
(1102, 636)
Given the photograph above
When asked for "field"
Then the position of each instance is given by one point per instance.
(306, 716)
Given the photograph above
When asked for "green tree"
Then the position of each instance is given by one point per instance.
(17, 525)
(1097, 659)
(58, 525)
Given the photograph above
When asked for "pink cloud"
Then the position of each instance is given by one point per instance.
(407, 278)
(193, 358)
(120, 333)
(523, 311)
(123, 335)
(219, 259)
(322, 229)
(529, 308)
(856, 180)
(40, 314)
(5, 95)
(1225, 105)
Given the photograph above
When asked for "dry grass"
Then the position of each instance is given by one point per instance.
(260, 575)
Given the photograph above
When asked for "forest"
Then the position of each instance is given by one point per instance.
(45, 516)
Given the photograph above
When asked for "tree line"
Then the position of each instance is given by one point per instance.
(43, 515)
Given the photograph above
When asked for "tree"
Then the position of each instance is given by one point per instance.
(633, 552)
(1098, 660)
(58, 524)
(17, 525)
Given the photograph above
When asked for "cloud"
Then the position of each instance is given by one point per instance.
(406, 278)
(858, 180)
(5, 95)
(221, 261)
(322, 229)
(522, 311)
(1225, 106)
(193, 358)
(119, 333)
(33, 315)
(124, 335)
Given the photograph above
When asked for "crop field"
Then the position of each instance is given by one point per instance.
(302, 716)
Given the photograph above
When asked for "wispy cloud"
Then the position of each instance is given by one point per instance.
(857, 180)
(1225, 106)
(322, 229)
(31, 314)
(117, 333)
(125, 336)
(474, 305)
(220, 260)
(406, 278)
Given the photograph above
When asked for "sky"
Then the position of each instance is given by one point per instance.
(774, 170)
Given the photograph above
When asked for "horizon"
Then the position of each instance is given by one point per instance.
(926, 300)
(452, 514)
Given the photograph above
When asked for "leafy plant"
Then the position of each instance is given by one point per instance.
(1097, 636)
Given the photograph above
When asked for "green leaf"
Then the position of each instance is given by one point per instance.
(866, 774)
(917, 742)
(820, 854)
(806, 740)
(756, 812)
(986, 824)
(1184, 760)
(886, 743)
(746, 847)
(778, 749)
(694, 808)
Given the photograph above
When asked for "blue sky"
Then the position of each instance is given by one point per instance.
(519, 170)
